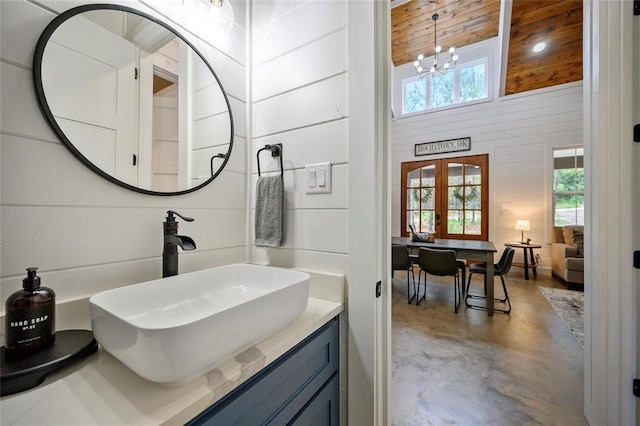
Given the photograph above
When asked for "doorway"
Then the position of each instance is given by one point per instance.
(448, 196)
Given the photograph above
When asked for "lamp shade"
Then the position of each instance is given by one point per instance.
(523, 225)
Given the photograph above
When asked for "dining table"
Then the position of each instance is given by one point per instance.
(465, 249)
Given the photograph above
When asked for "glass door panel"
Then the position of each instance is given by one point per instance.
(467, 189)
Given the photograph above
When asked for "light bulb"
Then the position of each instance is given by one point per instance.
(452, 49)
(539, 47)
(446, 65)
(420, 57)
(416, 64)
(419, 69)
(438, 49)
(432, 70)
(455, 58)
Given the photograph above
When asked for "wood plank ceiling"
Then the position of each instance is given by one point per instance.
(464, 22)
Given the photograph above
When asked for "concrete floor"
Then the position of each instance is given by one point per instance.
(525, 368)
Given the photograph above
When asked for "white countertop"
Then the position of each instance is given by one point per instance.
(101, 390)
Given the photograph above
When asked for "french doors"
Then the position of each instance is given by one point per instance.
(447, 196)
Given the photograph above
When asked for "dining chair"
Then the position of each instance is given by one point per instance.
(440, 263)
(500, 269)
(401, 261)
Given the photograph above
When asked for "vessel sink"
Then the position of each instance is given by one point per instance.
(173, 329)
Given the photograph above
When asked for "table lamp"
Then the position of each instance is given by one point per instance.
(523, 225)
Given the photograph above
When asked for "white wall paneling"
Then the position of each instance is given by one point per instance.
(291, 30)
(301, 107)
(330, 55)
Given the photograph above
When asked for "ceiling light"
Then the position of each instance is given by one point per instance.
(424, 69)
(539, 47)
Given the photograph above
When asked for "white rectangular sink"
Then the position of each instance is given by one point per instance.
(173, 329)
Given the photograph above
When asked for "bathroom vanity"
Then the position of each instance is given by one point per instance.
(290, 374)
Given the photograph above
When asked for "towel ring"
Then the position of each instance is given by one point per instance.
(276, 151)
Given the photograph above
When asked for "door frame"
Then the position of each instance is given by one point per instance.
(442, 192)
(611, 228)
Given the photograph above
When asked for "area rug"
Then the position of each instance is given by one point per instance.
(569, 305)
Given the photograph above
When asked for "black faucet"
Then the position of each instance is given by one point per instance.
(171, 242)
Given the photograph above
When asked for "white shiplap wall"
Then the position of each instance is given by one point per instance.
(300, 98)
(84, 233)
(518, 132)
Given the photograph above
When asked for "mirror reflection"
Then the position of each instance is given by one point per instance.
(134, 101)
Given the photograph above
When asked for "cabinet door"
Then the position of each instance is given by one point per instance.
(323, 409)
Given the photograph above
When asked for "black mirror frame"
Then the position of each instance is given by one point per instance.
(46, 111)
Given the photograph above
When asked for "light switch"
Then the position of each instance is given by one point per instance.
(318, 178)
(322, 178)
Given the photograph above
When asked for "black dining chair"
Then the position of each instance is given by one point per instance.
(440, 263)
(401, 261)
(500, 269)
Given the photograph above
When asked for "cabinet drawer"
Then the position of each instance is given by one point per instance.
(281, 390)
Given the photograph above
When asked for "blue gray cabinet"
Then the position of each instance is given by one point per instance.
(299, 388)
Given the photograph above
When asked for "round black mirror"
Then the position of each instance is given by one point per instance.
(133, 99)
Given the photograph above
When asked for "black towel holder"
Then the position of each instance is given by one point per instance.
(276, 151)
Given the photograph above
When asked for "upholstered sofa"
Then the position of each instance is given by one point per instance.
(567, 255)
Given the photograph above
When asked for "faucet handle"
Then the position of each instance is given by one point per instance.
(170, 217)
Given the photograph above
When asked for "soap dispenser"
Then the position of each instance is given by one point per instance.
(30, 317)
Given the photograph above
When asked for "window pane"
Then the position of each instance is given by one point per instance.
(415, 96)
(441, 90)
(429, 176)
(472, 197)
(455, 197)
(569, 209)
(455, 174)
(454, 221)
(472, 83)
(472, 174)
(427, 201)
(427, 224)
(413, 178)
(568, 180)
(413, 199)
(413, 218)
(472, 222)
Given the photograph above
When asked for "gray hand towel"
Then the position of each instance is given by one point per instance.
(269, 211)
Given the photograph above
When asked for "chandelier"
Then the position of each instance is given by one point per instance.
(436, 67)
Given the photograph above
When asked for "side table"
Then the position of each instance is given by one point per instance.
(528, 253)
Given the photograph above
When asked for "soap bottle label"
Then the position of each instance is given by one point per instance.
(25, 327)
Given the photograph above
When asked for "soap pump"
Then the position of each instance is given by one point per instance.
(30, 317)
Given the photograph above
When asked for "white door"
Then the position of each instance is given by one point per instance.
(636, 189)
(611, 195)
(369, 214)
(164, 168)
(91, 93)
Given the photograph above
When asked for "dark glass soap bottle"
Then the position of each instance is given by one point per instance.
(30, 317)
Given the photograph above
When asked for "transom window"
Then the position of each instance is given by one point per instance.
(466, 83)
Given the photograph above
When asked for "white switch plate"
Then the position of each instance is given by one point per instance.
(318, 178)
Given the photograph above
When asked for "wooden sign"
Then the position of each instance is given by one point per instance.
(439, 147)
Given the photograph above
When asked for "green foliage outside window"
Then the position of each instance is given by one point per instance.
(441, 90)
(472, 83)
(415, 96)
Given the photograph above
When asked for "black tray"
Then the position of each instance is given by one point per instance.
(19, 373)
